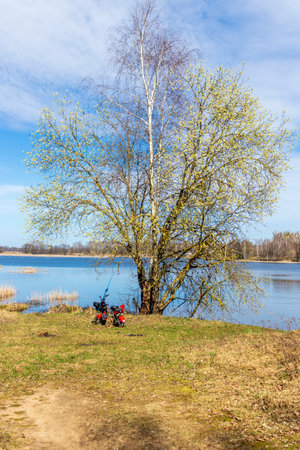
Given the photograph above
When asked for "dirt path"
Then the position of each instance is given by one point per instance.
(59, 419)
(50, 419)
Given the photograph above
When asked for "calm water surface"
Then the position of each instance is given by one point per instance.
(68, 274)
(281, 306)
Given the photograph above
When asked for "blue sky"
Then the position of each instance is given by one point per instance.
(51, 46)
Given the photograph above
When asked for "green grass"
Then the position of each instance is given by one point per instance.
(191, 381)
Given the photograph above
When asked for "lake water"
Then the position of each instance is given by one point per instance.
(281, 305)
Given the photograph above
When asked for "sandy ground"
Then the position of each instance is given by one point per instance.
(52, 419)
(58, 419)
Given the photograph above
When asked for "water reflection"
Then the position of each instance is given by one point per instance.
(285, 283)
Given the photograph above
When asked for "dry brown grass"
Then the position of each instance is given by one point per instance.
(65, 308)
(287, 354)
(6, 316)
(54, 298)
(7, 291)
(254, 381)
(18, 307)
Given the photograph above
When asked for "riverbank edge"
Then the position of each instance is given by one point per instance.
(74, 255)
(86, 255)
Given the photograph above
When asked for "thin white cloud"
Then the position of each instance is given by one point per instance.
(61, 39)
(8, 189)
(264, 34)
(47, 46)
(19, 103)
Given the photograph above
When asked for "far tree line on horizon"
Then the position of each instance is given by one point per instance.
(171, 160)
(283, 246)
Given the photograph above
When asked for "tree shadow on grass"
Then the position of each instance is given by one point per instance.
(140, 432)
(146, 433)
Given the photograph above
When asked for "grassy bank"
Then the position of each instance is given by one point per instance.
(158, 383)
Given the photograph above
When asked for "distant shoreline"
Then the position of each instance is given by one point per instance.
(284, 261)
(85, 255)
(74, 255)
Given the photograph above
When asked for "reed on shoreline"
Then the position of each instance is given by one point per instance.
(7, 291)
(26, 270)
(61, 296)
(55, 297)
(29, 270)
